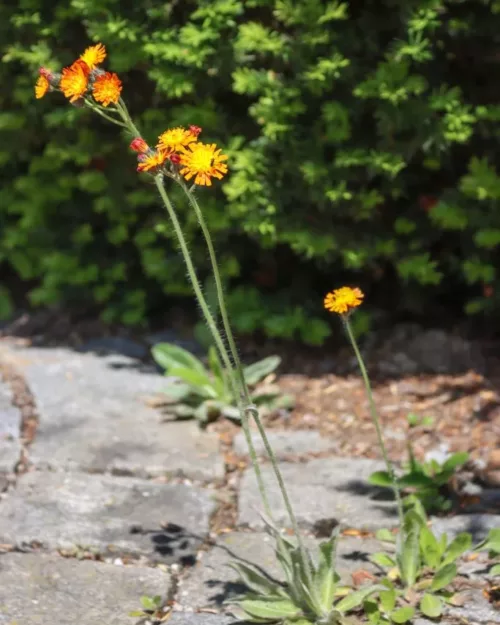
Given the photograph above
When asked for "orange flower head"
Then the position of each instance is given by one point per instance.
(153, 162)
(94, 55)
(139, 145)
(175, 138)
(75, 80)
(107, 88)
(203, 161)
(343, 300)
(42, 86)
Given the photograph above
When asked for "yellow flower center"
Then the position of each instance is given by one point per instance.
(201, 158)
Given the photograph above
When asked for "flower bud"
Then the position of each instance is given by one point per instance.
(139, 145)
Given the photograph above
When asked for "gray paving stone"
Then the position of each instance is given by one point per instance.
(94, 416)
(323, 491)
(476, 524)
(199, 618)
(286, 443)
(120, 515)
(212, 581)
(10, 431)
(40, 589)
(476, 609)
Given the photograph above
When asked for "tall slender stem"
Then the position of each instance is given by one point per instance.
(244, 388)
(216, 335)
(103, 114)
(375, 417)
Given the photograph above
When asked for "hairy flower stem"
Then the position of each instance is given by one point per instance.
(216, 335)
(249, 407)
(375, 418)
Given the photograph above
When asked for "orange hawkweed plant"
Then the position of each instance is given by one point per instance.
(177, 157)
(344, 301)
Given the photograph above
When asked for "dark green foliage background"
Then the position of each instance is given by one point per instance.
(363, 140)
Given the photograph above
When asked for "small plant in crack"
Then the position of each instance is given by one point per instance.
(428, 480)
(152, 610)
(205, 394)
(311, 592)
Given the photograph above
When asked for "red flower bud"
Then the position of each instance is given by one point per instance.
(139, 145)
(175, 159)
(194, 130)
(43, 71)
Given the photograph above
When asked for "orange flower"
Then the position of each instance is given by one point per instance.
(204, 162)
(152, 162)
(42, 85)
(343, 300)
(74, 80)
(175, 139)
(107, 88)
(94, 55)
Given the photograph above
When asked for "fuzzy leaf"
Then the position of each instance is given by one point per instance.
(430, 548)
(356, 598)
(327, 577)
(403, 615)
(385, 535)
(455, 461)
(431, 605)
(256, 581)
(387, 600)
(495, 570)
(491, 542)
(409, 556)
(269, 609)
(383, 559)
(458, 546)
(178, 391)
(258, 370)
(199, 381)
(168, 355)
(444, 576)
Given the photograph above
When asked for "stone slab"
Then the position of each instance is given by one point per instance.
(94, 417)
(476, 610)
(10, 431)
(323, 492)
(40, 589)
(199, 618)
(476, 524)
(118, 515)
(212, 581)
(286, 443)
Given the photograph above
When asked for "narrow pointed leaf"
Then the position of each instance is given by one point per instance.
(430, 547)
(200, 381)
(380, 478)
(385, 535)
(454, 461)
(356, 598)
(383, 559)
(256, 581)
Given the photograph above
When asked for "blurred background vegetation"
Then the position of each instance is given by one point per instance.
(363, 142)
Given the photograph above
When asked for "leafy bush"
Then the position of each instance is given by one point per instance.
(361, 141)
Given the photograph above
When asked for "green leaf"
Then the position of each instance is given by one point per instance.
(372, 612)
(409, 556)
(445, 575)
(387, 600)
(385, 535)
(495, 569)
(269, 609)
(356, 598)
(430, 548)
(491, 542)
(327, 577)
(383, 559)
(458, 546)
(258, 370)
(208, 411)
(256, 581)
(416, 480)
(455, 460)
(403, 615)
(380, 478)
(168, 355)
(177, 391)
(148, 603)
(431, 605)
(215, 364)
(200, 382)
(183, 411)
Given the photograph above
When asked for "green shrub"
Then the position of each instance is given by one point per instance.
(362, 141)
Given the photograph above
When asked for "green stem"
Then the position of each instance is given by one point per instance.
(244, 387)
(122, 108)
(103, 114)
(216, 335)
(375, 417)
